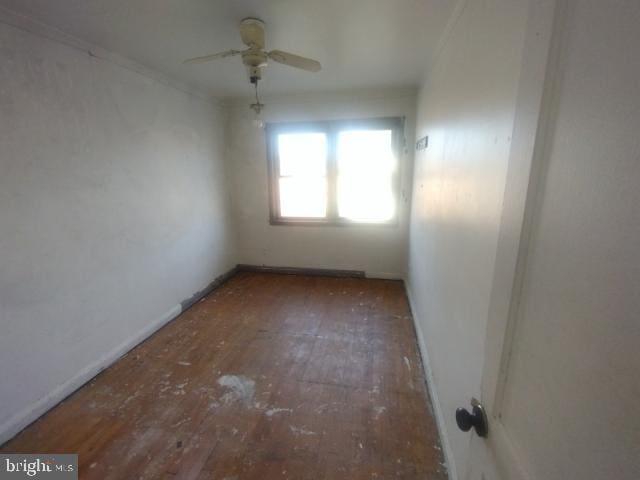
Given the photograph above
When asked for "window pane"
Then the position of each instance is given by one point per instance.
(302, 154)
(303, 170)
(303, 197)
(366, 164)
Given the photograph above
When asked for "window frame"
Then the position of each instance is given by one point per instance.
(331, 129)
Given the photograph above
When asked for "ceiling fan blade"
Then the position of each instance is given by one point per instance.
(295, 60)
(207, 58)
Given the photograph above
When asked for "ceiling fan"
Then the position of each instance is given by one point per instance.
(256, 57)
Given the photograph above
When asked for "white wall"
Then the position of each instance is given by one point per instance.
(113, 209)
(466, 106)
(572, 392)
(378, 250)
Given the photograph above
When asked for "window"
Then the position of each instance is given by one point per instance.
(335, 172)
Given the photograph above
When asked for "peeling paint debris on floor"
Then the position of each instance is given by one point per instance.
(241, 388)
(300, 431)
(272, 411)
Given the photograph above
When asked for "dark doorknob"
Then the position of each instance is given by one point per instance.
(477, 419)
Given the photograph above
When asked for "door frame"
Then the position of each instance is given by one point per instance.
(525, 174)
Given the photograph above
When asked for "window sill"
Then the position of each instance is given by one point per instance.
(308, 222)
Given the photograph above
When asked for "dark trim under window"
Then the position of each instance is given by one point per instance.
(331, 129)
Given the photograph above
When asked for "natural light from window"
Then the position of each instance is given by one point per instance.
(303, 175)
(335, 174)
(366, 164)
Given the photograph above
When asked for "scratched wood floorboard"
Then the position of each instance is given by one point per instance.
(269, 377)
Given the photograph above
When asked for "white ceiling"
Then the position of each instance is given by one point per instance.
(360, 43)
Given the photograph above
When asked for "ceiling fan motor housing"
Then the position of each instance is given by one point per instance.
(252, 33)
(254, 60)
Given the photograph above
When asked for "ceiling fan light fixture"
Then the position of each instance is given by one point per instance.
(257, 108)
(258, 121)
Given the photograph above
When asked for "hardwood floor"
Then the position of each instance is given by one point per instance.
(269, 377)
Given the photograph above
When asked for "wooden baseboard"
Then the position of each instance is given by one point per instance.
(217, 282)
(320, 272)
